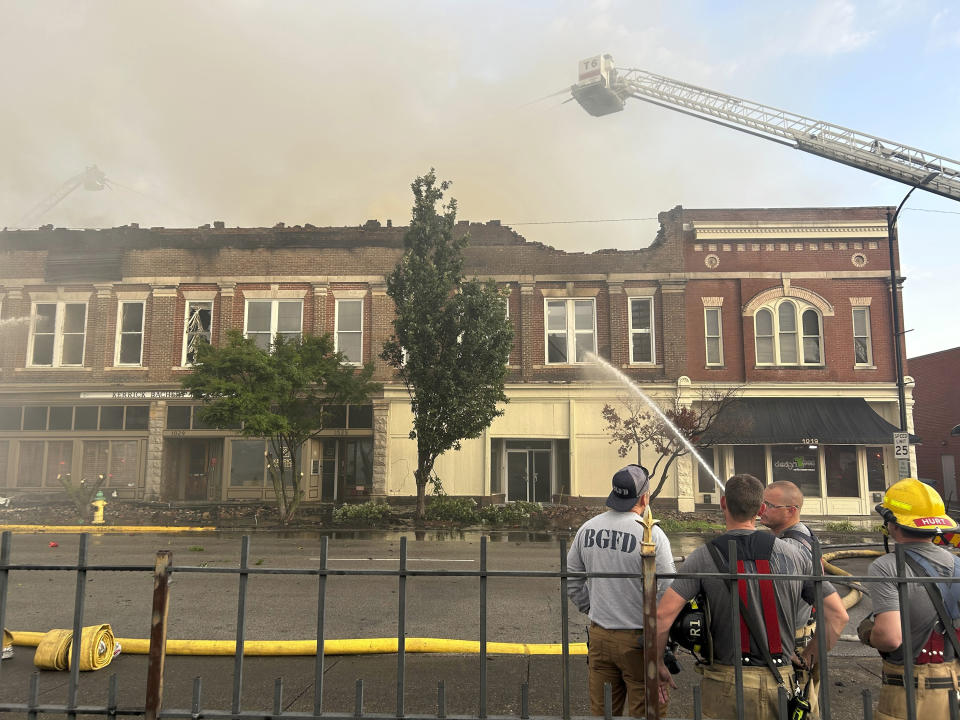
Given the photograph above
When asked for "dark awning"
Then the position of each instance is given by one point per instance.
(832, 421)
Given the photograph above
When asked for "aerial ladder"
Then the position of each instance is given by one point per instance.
(603, 89)
(91, 178)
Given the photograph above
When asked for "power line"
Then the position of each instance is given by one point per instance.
(575, 222)
(943, 212)
(644, 219)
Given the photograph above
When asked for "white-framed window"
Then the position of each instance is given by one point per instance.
(641, 329)
(713, 335)
(197, 324)
(788, 332)
(129, 341)
(265, 319)
(57, 334)
(570, 330)
(862, 345)
(349, 329)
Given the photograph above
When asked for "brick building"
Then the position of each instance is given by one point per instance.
(936, 414)
(790, 306)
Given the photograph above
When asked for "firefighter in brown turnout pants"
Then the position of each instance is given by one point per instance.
(766, 637)
(913, 515)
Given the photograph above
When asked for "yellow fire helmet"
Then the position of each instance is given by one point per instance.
(917, 507)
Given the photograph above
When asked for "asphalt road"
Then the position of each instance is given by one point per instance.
(204, 606)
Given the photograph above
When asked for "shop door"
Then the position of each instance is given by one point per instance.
(354, 467)
(529, 475)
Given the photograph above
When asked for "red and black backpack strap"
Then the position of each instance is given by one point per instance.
(756, 547)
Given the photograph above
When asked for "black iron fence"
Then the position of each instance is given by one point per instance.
(154, 706)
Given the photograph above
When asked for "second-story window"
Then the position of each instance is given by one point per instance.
(196, 328)
(57, 334)
(713, 335)
(641, 330)
(570, 330)
(349, 330)
(862, 347)
(267, 318)
(788, 332)
(129, 334)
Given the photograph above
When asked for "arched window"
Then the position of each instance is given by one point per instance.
(781, 340)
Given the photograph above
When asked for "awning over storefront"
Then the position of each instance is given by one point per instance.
(832, 421)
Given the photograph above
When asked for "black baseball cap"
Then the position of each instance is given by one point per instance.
(629, 484)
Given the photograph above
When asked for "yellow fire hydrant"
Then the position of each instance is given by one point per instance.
(99, 504)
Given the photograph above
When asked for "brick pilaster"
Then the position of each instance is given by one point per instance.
(618, 327)
(381, 329)
(153, 473)
(162, 349)
(225, 321)
(527, 346)
(101, 328)
(673, 321)
(381, 447)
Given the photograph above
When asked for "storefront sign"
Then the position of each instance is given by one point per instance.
(137, 395)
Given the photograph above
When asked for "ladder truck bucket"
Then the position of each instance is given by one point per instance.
(596, 90)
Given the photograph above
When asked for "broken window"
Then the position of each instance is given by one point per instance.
(196, 327)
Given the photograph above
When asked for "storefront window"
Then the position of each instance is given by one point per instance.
(31, 464)
(10, 418)
(841, 463)
(95, 455)
(123, 463)
(111, 417)
(751, 460)
(86, 417)
(798, 464)
(247, 463)
(61, 417)
(876, 480)
(59, 462)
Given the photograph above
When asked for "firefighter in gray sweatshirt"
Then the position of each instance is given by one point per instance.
(610, 543)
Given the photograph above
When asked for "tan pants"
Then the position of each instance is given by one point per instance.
(931, 702)
(616, 657)
(719, 692)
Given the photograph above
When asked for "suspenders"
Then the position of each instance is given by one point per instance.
(758, 548)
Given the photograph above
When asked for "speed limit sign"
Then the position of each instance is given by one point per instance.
(901, 445)
(901, 451)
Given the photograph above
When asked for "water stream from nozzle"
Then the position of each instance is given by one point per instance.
(635, 389)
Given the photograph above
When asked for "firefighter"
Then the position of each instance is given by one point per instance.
(782, 502)
(765, 640)
(913, 515)
(610, 543)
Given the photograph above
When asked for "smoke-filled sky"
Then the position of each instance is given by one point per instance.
(260, 111)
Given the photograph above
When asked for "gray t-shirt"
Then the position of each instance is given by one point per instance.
(785, 559)
(923, 616)
(805, 546)
(610, 542)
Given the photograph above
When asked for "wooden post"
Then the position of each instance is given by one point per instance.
(648, 551)
(158, 634)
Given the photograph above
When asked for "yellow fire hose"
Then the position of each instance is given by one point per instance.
(54, 648)
(856, 592)
(366, 646)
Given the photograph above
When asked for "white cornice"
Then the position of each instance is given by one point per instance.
(740, 230)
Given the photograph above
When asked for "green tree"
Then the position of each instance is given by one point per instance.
(452, 337)
(279, 395)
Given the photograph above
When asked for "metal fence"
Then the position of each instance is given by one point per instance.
(163, 568)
